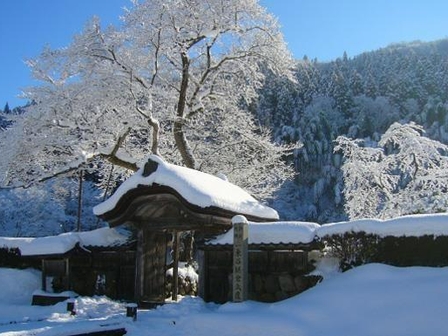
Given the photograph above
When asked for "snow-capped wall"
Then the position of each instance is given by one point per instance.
(408, 226)
(274, 233)
(65, 242)
(304, 232)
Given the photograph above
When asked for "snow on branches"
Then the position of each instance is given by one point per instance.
(405, 174)
(176, 79)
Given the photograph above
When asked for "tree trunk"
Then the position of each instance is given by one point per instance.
(78, 222)
(179, 135)
(154, 123)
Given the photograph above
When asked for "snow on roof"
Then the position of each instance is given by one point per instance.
(198, 188)
(273, 233)
(65, 242)
(409, 226)
(304, 232)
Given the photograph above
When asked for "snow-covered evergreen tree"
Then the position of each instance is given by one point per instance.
(6, 109)
(359, 97)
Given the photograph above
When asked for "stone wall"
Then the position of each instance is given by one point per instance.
(276, 287)
(273, 275)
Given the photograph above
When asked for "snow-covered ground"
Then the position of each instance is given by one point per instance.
(369, 300)
(372, 299)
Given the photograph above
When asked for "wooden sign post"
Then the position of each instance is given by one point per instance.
(240, 258)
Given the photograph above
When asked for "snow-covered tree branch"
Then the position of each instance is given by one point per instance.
(406, 173)
(175, 79)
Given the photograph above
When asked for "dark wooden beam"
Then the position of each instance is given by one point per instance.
(44, 276)
(175, 280)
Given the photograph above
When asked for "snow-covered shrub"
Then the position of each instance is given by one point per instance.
(426, 250)
(352, 248)
(9, 257)
(187, 280)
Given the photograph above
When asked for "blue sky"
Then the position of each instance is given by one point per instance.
(321, 29)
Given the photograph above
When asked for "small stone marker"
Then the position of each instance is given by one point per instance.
(240, 258)
(131, 311)
(71, 307)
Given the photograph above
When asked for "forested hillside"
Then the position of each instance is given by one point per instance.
(359, 98)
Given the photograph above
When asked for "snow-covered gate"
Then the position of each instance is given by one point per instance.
(162, 201)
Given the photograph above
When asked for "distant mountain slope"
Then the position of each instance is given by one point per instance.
(358, 98)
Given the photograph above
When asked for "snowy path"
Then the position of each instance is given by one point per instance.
(370, 300)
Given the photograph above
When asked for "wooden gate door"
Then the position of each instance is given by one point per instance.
(151, 261)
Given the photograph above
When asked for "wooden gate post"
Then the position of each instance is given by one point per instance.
(44, 276)
(240, 258)
(175, 280)
(150, 268)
